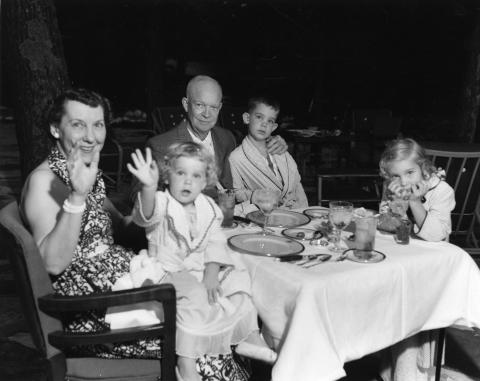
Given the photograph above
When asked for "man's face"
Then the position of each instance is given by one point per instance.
(202, 106)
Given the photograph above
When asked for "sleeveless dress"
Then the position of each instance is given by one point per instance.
(97, 264)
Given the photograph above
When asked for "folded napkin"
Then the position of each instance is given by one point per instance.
(143, 271)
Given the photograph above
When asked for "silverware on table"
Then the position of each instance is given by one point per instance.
(321, 258)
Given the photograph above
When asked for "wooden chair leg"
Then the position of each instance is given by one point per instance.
(439, 353)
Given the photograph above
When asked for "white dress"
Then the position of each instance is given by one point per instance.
(182, 249)
(439, 203)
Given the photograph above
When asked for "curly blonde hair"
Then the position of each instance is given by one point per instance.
(403, 149)
(193, 150)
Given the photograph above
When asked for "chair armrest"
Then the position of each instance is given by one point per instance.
(55, 305)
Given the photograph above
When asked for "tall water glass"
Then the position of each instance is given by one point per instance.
(266, 200)
(340, 216)
(226, 202)
(365, 230)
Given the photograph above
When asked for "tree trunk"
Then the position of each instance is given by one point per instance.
(37, 70)
(471, 95)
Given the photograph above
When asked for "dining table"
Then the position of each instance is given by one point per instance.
(321, 317)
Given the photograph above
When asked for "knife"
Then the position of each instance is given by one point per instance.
(290, 258)
(320, 259)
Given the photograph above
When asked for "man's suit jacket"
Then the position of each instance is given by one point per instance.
(223, 144)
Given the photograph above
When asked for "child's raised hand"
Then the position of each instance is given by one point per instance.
(144, 169)
(419, 190)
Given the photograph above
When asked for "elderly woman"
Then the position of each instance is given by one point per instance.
(65, 207)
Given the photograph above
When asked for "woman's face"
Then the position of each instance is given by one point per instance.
(80, 125)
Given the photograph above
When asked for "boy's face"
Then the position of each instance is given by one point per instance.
(261, 121)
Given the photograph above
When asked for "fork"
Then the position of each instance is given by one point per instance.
(315, 262)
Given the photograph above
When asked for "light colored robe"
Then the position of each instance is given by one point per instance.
(250, 171)
(202, 328)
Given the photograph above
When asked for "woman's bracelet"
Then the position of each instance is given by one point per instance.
(68, 207)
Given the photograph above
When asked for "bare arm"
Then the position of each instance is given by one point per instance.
(146, 171)
(55, 230)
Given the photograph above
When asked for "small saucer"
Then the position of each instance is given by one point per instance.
(234, 225)
(376, 256)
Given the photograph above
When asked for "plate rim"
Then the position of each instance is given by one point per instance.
(268, 255)
(297, 238)
(283, 211)
(317, 208)
(349, 255)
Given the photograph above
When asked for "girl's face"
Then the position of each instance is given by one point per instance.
(406, 171)
(80, 125)
(186, 179)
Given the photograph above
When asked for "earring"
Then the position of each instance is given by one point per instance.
(55, 134)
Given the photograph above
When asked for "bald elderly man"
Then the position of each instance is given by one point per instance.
(202, 104)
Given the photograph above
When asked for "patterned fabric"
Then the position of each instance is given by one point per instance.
(230, 367)
(96, 265)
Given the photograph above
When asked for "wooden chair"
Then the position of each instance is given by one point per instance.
(163, 119)
(462, 170)
(43, 311)
(364, 185)
(111, 162)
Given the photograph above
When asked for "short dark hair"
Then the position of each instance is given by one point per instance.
(87, 97)
(268, 100)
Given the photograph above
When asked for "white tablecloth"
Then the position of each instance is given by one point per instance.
(322, 317)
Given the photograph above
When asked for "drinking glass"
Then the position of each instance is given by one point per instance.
(341, 213)
(226, 202)
(266, 200)
(365, 230)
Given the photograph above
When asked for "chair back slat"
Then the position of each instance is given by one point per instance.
(165, 118)
(461, 169)
(31, 277)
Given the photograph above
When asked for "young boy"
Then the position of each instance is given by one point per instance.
(254, 168)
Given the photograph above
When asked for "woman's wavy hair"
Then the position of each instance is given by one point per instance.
(193, 150)
(402, 149)
(87, 97)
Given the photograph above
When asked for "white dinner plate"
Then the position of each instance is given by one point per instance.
(265, 245)
(301, 234)
(280, 218)
(376, 256)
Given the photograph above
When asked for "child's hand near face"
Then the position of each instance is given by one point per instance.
(211, 282)
(398, 190)
(145, 169)
(419, 190)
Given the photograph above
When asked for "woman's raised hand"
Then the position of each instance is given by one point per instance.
(144, 169)
(82, 175)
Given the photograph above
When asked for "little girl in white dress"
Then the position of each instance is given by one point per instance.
(214, 306)
(430, 201)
